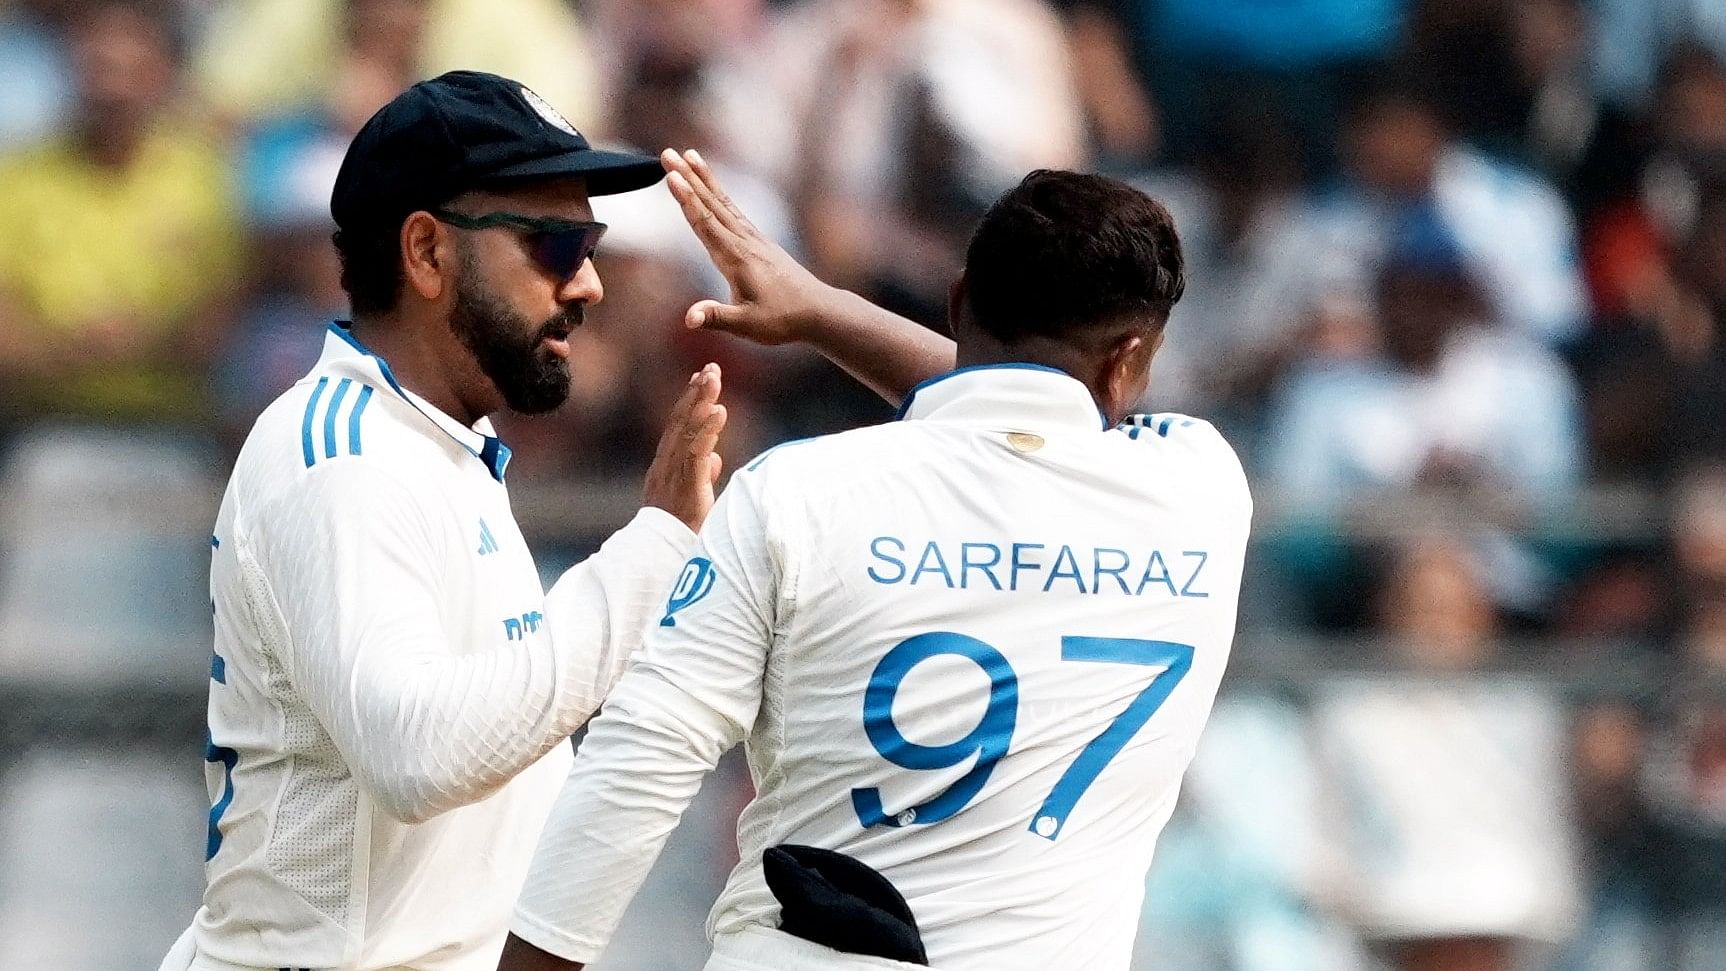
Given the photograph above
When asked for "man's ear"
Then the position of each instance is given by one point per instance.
(428, 255)
(957, 294)
(1126, 370)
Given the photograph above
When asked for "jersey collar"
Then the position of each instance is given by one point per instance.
(344, 354)
(1029, 394)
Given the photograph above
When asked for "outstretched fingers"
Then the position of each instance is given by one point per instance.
(707, 416)
(714, 195)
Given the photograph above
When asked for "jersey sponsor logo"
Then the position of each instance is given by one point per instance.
(320, 424)
(695, 582)
(1013, 567)
(517, 628)
(487, 542)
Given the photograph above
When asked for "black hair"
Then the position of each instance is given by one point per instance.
(371, 267)
(1064, 253)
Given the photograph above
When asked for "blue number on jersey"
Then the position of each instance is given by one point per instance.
(229, 758)
(988, 741)
(992, 737)
(1176, 659)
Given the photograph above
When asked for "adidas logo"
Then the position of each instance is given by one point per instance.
(487, 542)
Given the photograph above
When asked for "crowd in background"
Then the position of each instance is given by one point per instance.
(1457, 263)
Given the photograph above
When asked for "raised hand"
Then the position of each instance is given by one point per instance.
(774, 300)
(686, 468)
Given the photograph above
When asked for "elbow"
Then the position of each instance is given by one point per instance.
(413, 794)
(403, 802)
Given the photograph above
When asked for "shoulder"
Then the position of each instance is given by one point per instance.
(331, 443)
(844, 456)
(1194, 443)
(1172, 430)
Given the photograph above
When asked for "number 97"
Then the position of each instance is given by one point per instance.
(992, 737)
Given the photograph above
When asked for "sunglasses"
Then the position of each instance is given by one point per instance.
(561, 246)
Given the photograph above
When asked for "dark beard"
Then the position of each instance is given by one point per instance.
(531, 379)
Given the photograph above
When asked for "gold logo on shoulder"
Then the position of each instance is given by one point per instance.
(1024, 442)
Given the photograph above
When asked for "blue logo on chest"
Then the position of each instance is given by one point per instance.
(695, 582)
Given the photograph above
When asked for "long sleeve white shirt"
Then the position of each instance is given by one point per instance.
(391, 685)
(973, 649)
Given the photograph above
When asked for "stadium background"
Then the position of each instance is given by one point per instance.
(1457, 293)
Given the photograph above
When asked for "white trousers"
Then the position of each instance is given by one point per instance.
(765, 949)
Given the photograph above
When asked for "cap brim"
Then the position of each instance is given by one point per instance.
(606, 173)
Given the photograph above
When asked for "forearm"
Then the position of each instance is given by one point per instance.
(600, 609)
(636, 772)
(885, 351)
(430, 733)
(427, 731)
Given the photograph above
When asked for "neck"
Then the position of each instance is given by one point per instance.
(416, 363)
(979, 350)
(111, 147)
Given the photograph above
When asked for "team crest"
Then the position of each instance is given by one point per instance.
(546, 111)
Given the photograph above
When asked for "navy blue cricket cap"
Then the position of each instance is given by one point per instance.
(468, 130)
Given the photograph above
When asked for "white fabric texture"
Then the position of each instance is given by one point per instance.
(392, 683)
(1003, 520)
(764, 949)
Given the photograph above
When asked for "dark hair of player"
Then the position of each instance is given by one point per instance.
(1065, 254)
(371, 268)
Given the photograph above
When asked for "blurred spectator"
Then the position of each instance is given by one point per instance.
(1244, 872)
(1236, 210)
(1699, 531)
(1401, 163)
(1125, 124)
(1633, 38)
(36, 87)
(116, 239)
(1592, 149)
(1449, 399)
(266, 57)
(634, 359)
(1195, 54)
(915, 115)
(1625, 596)
(1464, 53)
(287, 170)
(1455, 821)
(1655, 365)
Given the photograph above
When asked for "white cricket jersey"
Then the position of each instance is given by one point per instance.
(391, 685)
(973, 649)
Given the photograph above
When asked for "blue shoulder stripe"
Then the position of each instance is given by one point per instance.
(306, 424)
(354, 419)
(752, 466)
(330, 416)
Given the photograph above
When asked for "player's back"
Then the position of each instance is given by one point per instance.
(998, 631)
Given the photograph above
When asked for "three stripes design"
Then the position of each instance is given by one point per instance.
(330, 412)
(487, 543)
(1138, 423)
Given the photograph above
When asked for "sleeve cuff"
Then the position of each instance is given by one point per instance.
(553, 940)
(663, 526)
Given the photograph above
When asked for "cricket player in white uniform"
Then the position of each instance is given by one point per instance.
(392, 689)
(972, 649)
